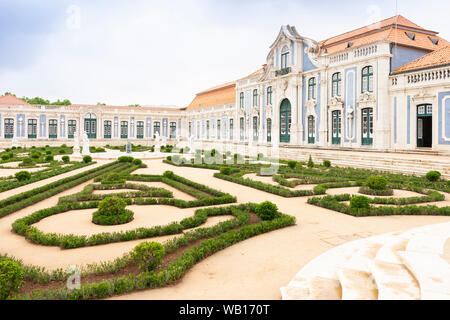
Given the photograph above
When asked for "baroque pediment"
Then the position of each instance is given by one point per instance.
(336, 102)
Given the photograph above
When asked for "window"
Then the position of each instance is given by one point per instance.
(140, 130)
(32, 128)
(311, 129)
(269, 95)
(107, 129)
(231, 129)
(90, 125)
(207, 129)
(190, 129)
(255, 97)
(284, 57)
(367, 79)
(241, 128)
(157, 128)
(218, 129)
(255, 128)
(72, 128)
(312, 89)
(173, 130)
(269, 130)
(336, 84)
(53, 129)
(198, 129)
(124, 129)
(9, 128)
(241, 100)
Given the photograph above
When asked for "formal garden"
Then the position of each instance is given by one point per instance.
(150, 264)
(106, 199)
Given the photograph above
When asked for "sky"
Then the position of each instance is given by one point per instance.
(156, 52)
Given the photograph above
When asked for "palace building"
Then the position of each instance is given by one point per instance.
(385, 86)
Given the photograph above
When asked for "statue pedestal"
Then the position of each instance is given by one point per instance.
(157, 148)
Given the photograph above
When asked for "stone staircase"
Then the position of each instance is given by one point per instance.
(411, 265)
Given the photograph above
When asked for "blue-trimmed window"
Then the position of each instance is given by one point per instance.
(269, 95)
(284, 57)
(312, 89)
(367, 79)
(336, 84)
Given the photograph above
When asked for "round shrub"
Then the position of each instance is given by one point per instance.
(376, 182)
(448, 183)
(360, 202)
(267, 210)
(87, 159)
(35, 155)
(137, 162)
(225, 170)
(168, 174)
(65, 159)
(5, 156)
(27, 162)
(23, 175)
(62, 151)
(48, 152)
(433, 176)
(111, 211)
(125, 159)
(292, 164)
(169, 158)
(11, 278)
(49, 158)
(148, 254)
(326, 163)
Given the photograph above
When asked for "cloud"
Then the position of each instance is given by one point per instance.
(158, 52)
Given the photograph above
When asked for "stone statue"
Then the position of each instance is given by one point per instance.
(128, 149)
(15, 142)
(157, 142)
(76, 143)
(86, 150)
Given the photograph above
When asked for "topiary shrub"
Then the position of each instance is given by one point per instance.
(360, 202)
(326, 163)
(125, 159)
(310, 162)
(376, 183)
(113, 178)
(5, 156)
(36, 155)
(267, 210)
(48, 152)
(148, 254)
(169, 158)
(62, 151)
(225, 170)
(111, 211)
(292, 164)
(137, 162)
(26, 162)
(49, 158)
(433, 176)
(448, 183)
(11, 278)
(168, 174)
(65, 159)
(23, 175)
(87, 159)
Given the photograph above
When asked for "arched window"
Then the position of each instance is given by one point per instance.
(284, 57)
(255, 128)
(336, 84)
(231, 129)
(255, 97)
(312, 89)
(241, 100)
(269, 95)
(367, 79)
(311, 129)
(157, 128)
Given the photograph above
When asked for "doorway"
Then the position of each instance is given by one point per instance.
(425, 126)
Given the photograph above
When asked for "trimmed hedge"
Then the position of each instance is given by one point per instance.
(223, 237)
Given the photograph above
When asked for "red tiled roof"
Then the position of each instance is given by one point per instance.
(393, 29)
(217, 95)
(436, 58)
(9, 99)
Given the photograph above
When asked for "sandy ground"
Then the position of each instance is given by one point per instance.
(253, 269)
